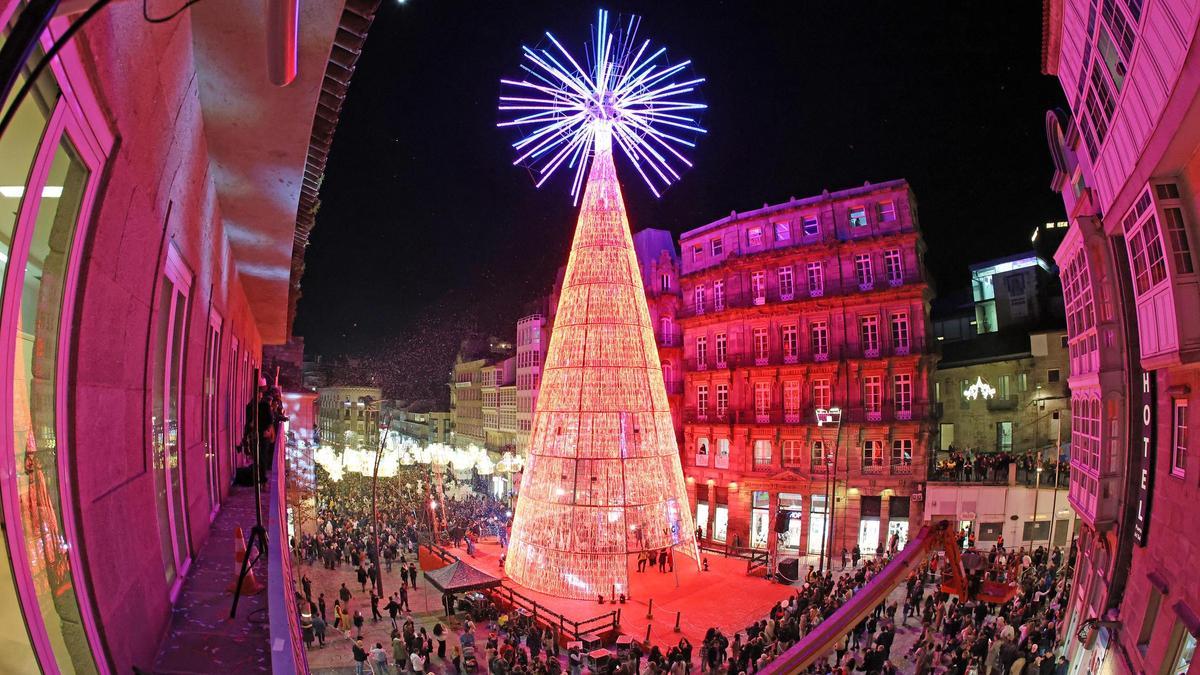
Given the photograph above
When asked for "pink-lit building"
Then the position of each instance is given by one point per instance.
(158, 194)
(813, 303)
(533, 336)
(1126, 163)
(658, 260)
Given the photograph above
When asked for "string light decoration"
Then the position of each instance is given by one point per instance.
(603, 478)
(979, 389)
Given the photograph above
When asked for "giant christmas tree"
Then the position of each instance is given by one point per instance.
(603, 478)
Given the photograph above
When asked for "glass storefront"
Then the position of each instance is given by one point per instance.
(868, 525)
(702, 517)
(721, 523)
(816, 523)
(791, 505)
(46, 179)
(760, 519)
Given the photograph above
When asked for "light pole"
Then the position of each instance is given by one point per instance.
(375, 509)
(832, 416)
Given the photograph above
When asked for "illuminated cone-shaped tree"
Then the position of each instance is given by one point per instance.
(603, 478)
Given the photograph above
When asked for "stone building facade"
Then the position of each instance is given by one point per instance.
(1126, 163)
(348, 417)
(811, 304)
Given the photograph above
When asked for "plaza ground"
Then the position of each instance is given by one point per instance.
(724, 597)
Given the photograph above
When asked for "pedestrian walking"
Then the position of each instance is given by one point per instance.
(360, 657)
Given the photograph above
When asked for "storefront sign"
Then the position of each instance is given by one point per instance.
(1141, 523)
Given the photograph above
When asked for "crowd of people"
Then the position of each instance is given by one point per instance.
(971, 465)
(1019, 637)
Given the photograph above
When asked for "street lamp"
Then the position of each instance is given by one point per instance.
(825, 418)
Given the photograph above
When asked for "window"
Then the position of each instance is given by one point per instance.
(664, 281)
(887, 212)
(762, 401)
(868, 331)
(702, 400)
(722, 453)
(47, 179)
(718, 295)
(862, 271)
(894, 267)
(858, 216)
(761, 346)
(818, 457)
(902, 395)
(902, 449)
(698, 297)
(666, 330)
(722, 400)
(701, 352)
(1062, 341)
(822, 393)
(818, 332)
(717, 246)
(791, 345)
(1148, 620)
(1114, 40)
(900, 332)
(816, 279)
(791, 400)
(697, 253)
(762, 453)
(1097, 110)
(1185, 650)
(872, 456)
(783, 231)
(166, 411)
(1052, 375)
(1004, 436)
(702, 451)
(1179, 437)
(754, 236)
(872, 396)
(1022, 381)
(1144, 244)
(793, 453)
(758, 286)
(1181, 252)
(811, 225)
(720, 344)
(786, 289)
(1002, 386)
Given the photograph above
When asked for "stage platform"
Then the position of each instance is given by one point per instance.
(724, 597)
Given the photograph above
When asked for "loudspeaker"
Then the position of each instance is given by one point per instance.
(781, 522)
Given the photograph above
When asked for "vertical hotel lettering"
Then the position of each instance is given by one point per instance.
(1142, 523)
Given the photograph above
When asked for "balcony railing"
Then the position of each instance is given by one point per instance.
(807, 415)
(701, 459)
(674, 387)
(1006, 403)
(800, 293)
(668, 338)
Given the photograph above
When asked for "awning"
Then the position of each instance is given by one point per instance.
(459, 577)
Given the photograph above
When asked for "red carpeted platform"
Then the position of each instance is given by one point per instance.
(724, 597)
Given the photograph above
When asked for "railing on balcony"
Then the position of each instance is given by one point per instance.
(701, 459)
(288, 654)
(778, 414)
(1005, 403)
(671, 338)
(800, 292)
(873, 469)
(721, 461)
(674, 387)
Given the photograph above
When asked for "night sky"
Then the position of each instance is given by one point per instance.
(424, 218)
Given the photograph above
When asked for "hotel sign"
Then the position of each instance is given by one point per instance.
(1141, 523)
